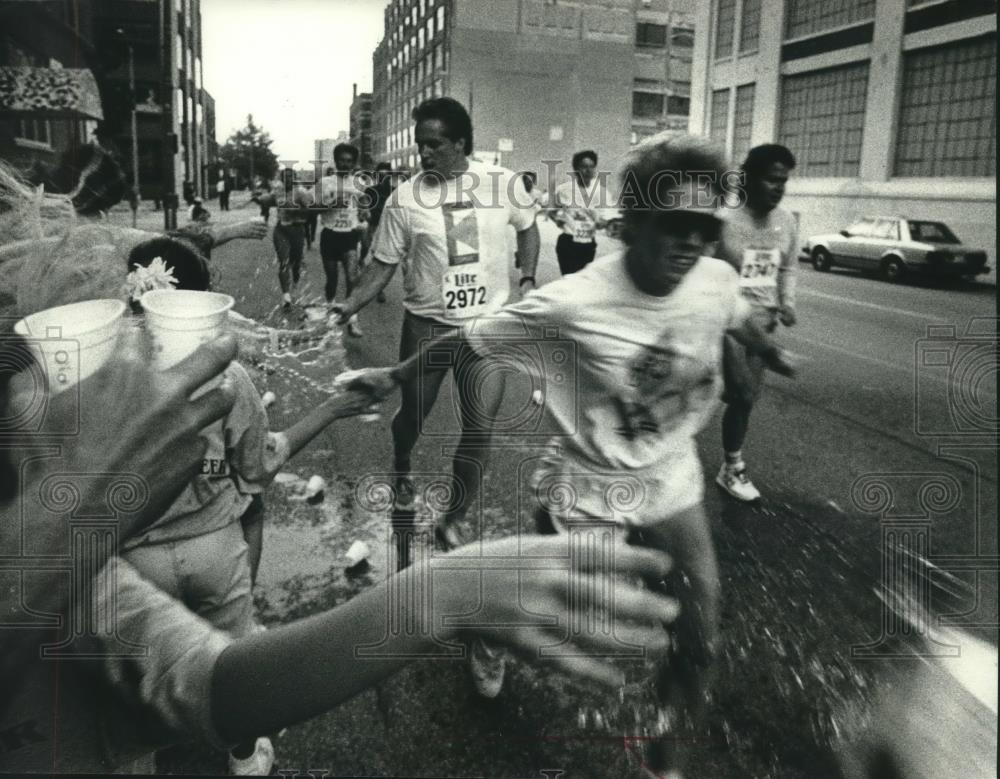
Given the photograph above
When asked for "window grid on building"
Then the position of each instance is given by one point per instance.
(743, 122)
(948, 113)
(804, 17)
(648, 35)
(725, 28)
(750, 26)
(719, 119)
(821, 119)
(647, 105)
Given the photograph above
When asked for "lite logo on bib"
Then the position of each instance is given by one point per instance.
(760, 268)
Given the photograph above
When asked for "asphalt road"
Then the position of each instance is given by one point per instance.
(870, 415)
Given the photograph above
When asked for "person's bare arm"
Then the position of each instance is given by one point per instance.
(755, 339)
(528, 244)
(249, 230)
(286, 444)
(373, 279)
(314, 664)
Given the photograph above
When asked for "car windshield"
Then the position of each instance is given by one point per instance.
(935, 232)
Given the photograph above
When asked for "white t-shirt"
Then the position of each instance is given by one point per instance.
(581, 207)
(764, 252)
(451, 239)
(639, 376)
(343, 193)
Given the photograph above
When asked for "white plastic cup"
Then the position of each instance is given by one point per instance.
(179, 321)
(72, 342)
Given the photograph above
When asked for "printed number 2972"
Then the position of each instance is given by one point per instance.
(463, 298)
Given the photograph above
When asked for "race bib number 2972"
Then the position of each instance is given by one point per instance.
(464, 292)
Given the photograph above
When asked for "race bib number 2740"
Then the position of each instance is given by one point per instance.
(760, 268)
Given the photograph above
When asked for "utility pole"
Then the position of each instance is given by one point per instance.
(135, 129)
(134, 120)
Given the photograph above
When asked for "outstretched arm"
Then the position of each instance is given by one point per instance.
(374, 278)
(315, 664)
(224, 233)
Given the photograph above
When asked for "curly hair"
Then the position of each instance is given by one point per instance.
(664, 161)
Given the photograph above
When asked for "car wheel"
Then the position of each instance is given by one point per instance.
(893, 269)
(822, 261)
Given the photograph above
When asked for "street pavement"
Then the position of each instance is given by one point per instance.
(880, 426)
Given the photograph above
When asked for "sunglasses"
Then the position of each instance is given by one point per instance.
(680, 223)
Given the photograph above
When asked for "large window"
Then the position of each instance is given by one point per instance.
(678, 105)
(804, 17)
(725, 28)
(719, 119)
(948, 111)
(821, 119)
(743, 122)
(750, 26)
(647, 105)
(651, 36)
(34, 130)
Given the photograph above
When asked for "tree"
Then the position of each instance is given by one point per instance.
(248, 150)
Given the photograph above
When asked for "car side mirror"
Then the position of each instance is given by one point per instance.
(846, 233)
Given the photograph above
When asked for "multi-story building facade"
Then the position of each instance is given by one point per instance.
(361, 127)
(889, 106)
(50, 95)
(171, 101)
(541, 80)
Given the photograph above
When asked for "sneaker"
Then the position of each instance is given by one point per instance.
(259, 763)
(734, 480)
(487, 665)
(354, 327)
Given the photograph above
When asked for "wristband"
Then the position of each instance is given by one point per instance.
(524, 279)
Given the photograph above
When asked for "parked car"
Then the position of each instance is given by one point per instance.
(895, 247)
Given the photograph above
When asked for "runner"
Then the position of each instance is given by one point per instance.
(289, 234)
(760, 240)
(447, 227)
(578, 205)
(342, 225)
(647, 323)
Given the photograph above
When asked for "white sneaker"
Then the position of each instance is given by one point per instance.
(259, 763)
(487, 665)
(734, 480)
(354, 327)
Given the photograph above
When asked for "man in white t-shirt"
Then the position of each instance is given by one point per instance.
(447, 227)
(579, 204)
(760, 240)
(342, 224)
(647, 324)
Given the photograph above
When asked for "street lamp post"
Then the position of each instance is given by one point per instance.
(135, 122)
(135, 131)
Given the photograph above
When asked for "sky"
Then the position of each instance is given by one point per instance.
(290, 63)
